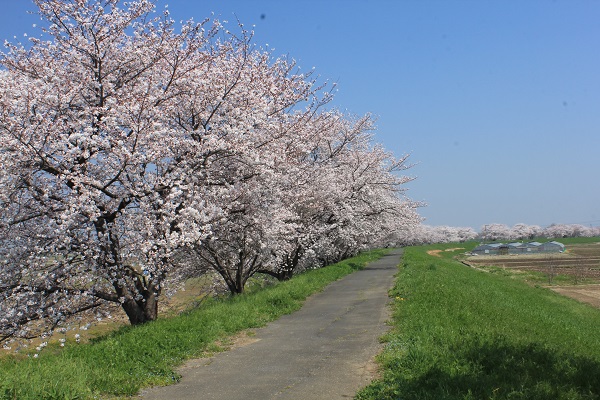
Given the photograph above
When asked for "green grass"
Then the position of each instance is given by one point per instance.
(574, 240)
(534, 277)
(459, 333)
(121, 363)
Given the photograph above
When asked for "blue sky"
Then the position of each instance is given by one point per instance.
(497, 102)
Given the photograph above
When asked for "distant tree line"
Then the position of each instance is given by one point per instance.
(425, 234)
(525, 232)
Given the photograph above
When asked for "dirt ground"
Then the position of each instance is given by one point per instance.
(436, 253)
(585, 293)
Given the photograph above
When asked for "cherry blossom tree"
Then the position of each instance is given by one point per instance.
(364, 193)
(524, 231)
(426, 234)
(570, 230)
(242, 242)
(92, 168)
(371, 187)
(492, 232)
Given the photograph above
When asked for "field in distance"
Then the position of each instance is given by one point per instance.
(574, 273)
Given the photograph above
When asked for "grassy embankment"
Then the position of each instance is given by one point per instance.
(460, 333)
(121, 363)
(573, 240)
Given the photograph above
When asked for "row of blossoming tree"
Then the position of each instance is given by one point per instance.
(426, 234)
(496, 231)
(136, 153)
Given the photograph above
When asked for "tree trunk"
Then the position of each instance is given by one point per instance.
(286, 269)
(134, 312)
(280, 275)
(143, 310)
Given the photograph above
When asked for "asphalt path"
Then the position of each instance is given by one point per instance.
(323, 351)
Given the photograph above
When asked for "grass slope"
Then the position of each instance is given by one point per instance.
(121, 363)
(460, 333)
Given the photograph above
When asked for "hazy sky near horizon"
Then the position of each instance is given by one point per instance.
(497, 102)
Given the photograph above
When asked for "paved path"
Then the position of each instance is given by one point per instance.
(323, 351)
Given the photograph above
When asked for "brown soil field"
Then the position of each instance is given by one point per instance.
(580, 261)
(585, 293)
